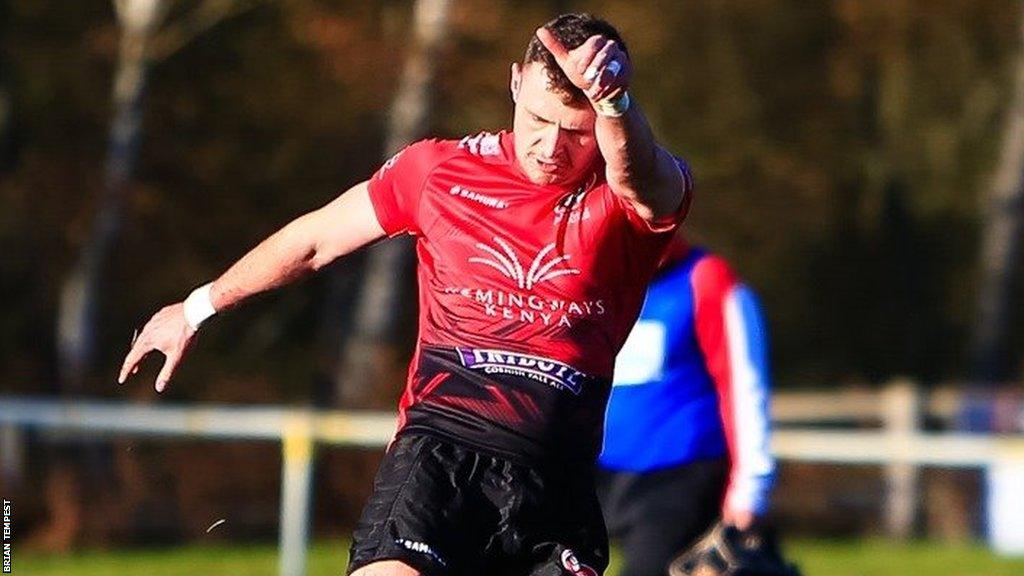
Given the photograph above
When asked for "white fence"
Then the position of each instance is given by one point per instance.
(297, 430)
(898, 444)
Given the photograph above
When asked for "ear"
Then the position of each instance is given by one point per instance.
(516, 81)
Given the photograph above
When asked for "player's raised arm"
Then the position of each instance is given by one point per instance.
(638, 169)
(303, 246)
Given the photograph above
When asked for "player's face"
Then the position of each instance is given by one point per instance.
(554, 139)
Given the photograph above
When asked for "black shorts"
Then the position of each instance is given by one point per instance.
(443, 508)
(656, 515)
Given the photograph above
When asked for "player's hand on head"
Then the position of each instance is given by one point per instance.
(599, 66)
(166, 332)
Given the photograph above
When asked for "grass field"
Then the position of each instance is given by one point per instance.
(816, 557)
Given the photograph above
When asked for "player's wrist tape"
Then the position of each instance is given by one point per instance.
(613, 107)
(199, 307)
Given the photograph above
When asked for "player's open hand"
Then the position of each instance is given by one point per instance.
(166, 332)
(599, 67)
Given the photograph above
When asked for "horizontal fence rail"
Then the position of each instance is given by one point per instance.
(370, 429)
(882, 448)
(367, 429)
(298, 430)
(859, 405)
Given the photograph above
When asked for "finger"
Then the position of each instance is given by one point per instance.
(131, 362)
(170, 367)
(606, 85)
(125, 371)
(613, 80)
(601, 86)
(556, 48)
(598, 61)
(586, 52)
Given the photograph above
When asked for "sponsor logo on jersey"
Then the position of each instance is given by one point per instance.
(527, 306)
(569, 208)
(483, 144)
(574, 566)
(389, 164)
(551, 372)
(421, 548)
(468, 194)
(530, 308)
(543, 267)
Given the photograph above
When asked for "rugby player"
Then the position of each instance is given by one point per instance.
(687, 428)
(534, 249)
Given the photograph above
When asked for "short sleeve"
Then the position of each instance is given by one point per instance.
(395, 189)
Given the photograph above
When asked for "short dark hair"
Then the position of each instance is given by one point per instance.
(572, 30)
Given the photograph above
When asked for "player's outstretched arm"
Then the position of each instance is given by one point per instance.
(303, 246)
(638, 169)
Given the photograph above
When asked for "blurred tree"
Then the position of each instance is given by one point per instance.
(76, 329)
(837, 149)
(791, 113)
(7, 128)
(374, 358)
(1000, 250)
(143, 44)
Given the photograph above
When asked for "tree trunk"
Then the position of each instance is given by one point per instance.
(1000, 246)
(373, 357)
(7, 144)
(77, 323)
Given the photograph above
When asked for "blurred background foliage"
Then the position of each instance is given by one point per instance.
(842, 150)
(845, 152)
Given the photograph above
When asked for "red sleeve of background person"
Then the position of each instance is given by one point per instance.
(712, 280)
(395, 188)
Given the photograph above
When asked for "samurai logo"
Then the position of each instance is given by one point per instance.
(422, 548)
(504, 260)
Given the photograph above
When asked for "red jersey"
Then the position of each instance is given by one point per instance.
(526, 294)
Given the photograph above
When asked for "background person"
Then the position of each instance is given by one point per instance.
(687, 427)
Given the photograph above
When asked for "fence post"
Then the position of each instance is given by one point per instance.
(1004, 503)
(296, 488)
(901, 413)
(12, 455)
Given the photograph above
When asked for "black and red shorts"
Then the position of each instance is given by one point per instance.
(447, 509)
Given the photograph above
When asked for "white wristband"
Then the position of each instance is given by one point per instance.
(613, 107)
(198, 306)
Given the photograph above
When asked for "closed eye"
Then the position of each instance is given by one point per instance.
(577, 131)
(572, 131)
